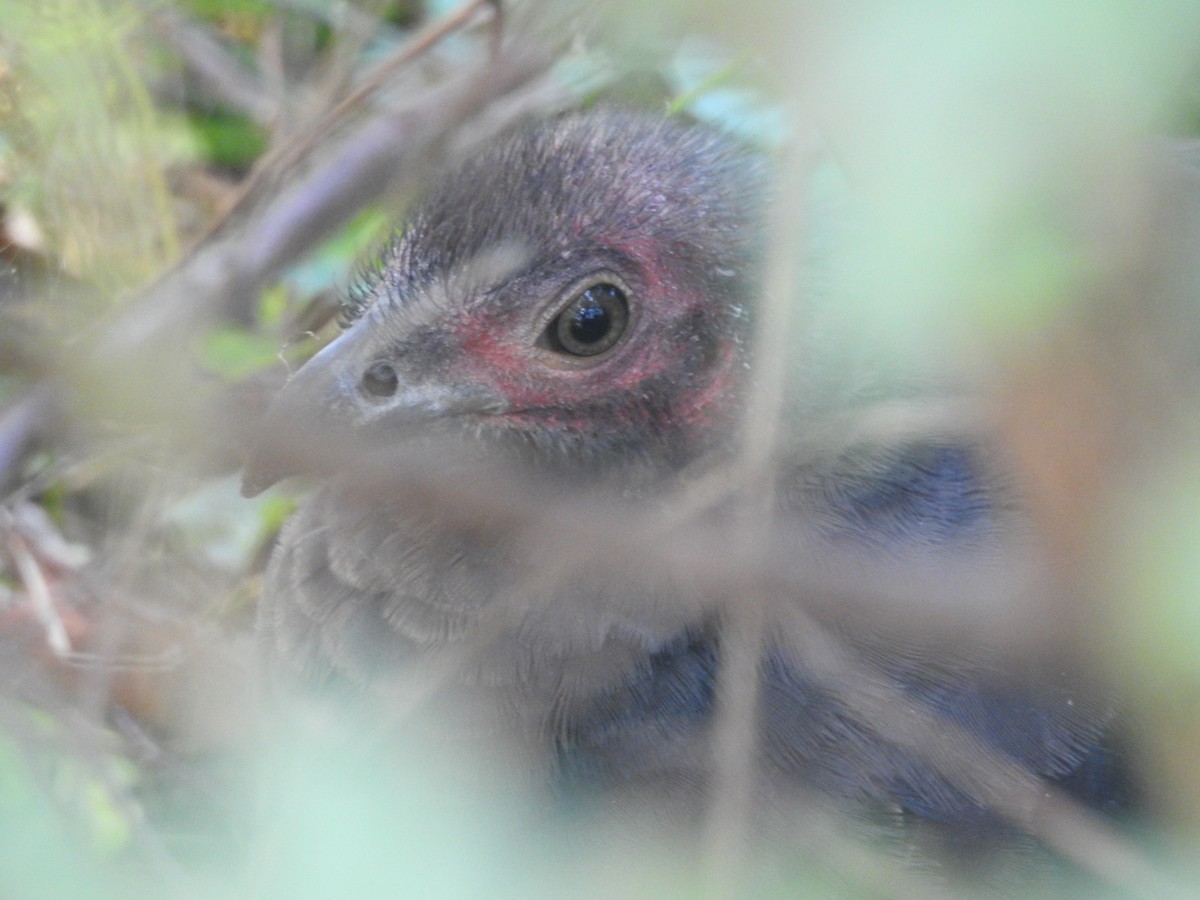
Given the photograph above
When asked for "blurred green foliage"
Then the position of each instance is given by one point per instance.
(91, 149)
(228, 141)
(968, 143)
(62, 827)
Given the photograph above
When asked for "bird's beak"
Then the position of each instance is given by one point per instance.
(322, 418)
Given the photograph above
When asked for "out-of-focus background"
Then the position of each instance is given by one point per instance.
(1007, 195)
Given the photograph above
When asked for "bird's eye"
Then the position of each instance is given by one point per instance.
(592, 322)
(379, 380)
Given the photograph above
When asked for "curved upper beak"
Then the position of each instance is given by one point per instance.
(322, 417)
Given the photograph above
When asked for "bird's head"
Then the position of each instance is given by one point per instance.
(577, 291)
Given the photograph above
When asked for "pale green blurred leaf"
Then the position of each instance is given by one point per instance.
(233, 352)
(225, 528)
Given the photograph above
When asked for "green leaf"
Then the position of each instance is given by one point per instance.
(230, 141)
(233, 353)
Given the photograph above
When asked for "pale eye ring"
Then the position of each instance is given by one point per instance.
(592, 322)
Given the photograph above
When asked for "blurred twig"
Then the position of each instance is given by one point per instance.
(226, 271)
(814, 588)
(19, 424)
(232, 81)
(289, 154)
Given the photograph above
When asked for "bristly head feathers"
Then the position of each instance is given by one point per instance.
(562, 184)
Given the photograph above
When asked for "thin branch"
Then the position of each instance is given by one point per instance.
(19, 424)
(227, 270)
(285, 156)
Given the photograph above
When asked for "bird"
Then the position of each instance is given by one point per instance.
(574, 302)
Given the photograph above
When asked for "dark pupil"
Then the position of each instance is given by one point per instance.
(591, 321)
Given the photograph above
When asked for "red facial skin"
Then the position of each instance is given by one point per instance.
(545, 389)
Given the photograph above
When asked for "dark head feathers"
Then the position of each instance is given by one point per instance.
(561, 186)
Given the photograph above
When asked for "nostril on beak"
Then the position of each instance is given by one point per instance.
(379, 381)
